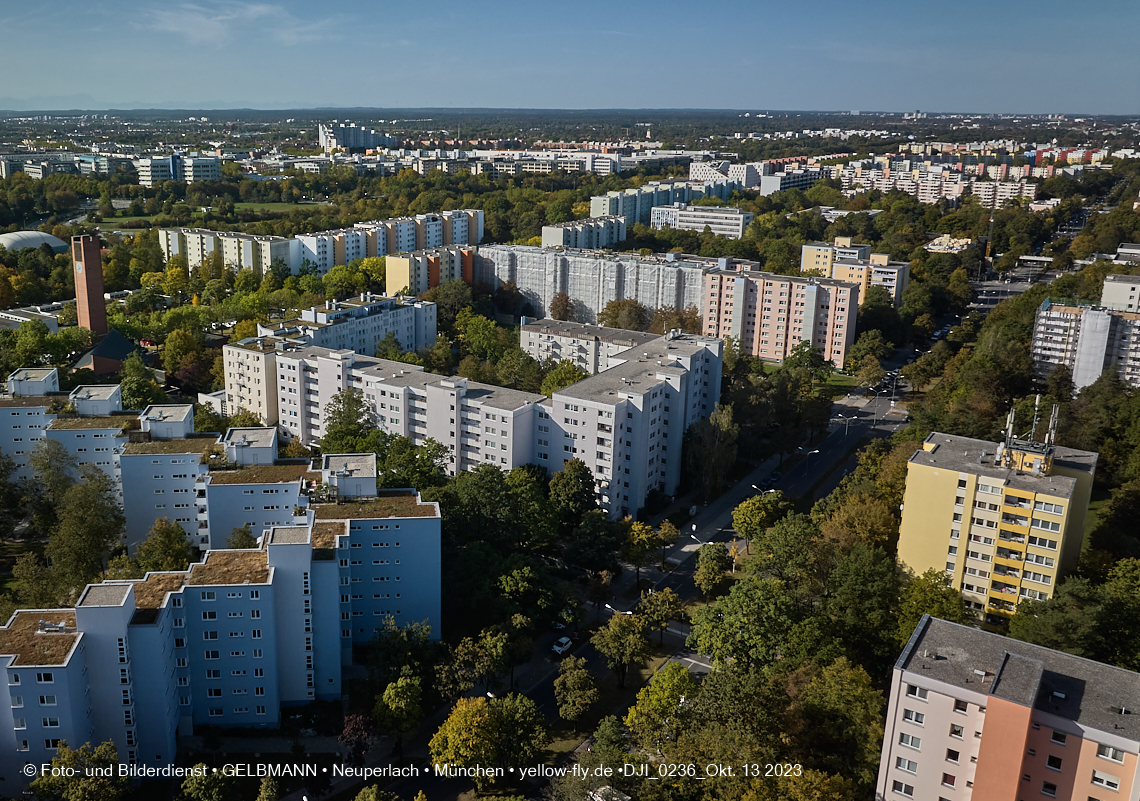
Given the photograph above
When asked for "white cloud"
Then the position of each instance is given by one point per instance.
(221, 24)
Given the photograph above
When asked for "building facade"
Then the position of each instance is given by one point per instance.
(636, 205)
(845, 261)
(589, 234)
(727, 222)
(975, 715)
(358, 324)
(1004, 520)
(592, 278)
(89, 301)
(416, 272)
(592, 348)
(239, 251)
(770, 314)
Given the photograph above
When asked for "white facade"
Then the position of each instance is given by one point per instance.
(591, 279)
(22, 424)
(635, 205)
(96, 399)
(168, 421)
(728, 222)
(359, 324)
(249, 377)
(239, 251)
(592, 348)
(588, 234)
(33, 381)
(158, 480)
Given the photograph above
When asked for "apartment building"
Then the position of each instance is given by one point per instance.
(791, 179)
(350, 137)
(619, 421)
(358, 324)
(592, 348)
(770, 314)
(636, 205)
(856, 264)
(727, 222)
(188, 167)
(1005, 520)
(747, 175)
(33, 381)
(973, 714)
(25, 411)
(416, 272)
(1091, 338)
(593, 278)
(239, 251)
(227, 642)
(93, 439)
(818, 258)
(591, 233)
(249, 366)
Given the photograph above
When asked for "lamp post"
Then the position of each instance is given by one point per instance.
(846, 423)
(617, 611)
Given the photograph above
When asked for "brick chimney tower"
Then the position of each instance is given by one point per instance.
(89, 283)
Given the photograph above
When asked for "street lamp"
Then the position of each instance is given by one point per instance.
(846, 423)
(698, 539)
(617, 611)
(807, 457)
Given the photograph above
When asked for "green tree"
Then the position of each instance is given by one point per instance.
(640, 545)
(73, 776)
(398, 709)
(710, 451)
(622, 643)
(929, 594)
(712, 561)
(241, 537)
(862, 603)
(348, 423)
(179, 344)
(165, 548)
(749, 626)
(208, 785)
(269, 790)
(627, 314)
(660, 712)
(758, 513)
(504, 731)
(575, 689)
(869, 343)
(870, 371)
(139, 389)
(572, 495)
(563, 375)
(561, 307)
(659, 607)
(90, 523)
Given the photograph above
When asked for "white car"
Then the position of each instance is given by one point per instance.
(562, 645)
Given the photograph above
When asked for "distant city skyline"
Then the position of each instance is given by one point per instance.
(888, 55)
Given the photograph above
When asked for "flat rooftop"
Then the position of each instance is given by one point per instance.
(356, 464)
(104, 595)
(979, 457)
(565, 328)
(289, 535)
(28, 400)
(254, 437)
(192, 445)
(231, 567)
(32, 373)
(1091, 693)
(150, 592)
(257, 344)
(393, 504)
(21, 638)
(325, 532)
(264, 474)
(641, 370)
(167, 413)
(94, 392)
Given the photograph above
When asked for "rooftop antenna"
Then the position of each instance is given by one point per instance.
(1051, 435)
(1036, 416)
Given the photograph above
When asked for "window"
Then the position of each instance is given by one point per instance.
(1053, 762)
(910, 741)
(1059, 737)
(916, 692)
(19, 723)
(215, 711)
(956, 731)
(209, 615)
(17, 701)
(51, 723)
(212, 655)
(214, 692)
(208, 595)
(961, 706)
(909, 765)
(45, 678)
(51, 743)
(952, 755)
(1108, 752)
(1049, 789)
(1104, 780)
(948, 780)
(902, 789)
(49, 700)
(910, 716)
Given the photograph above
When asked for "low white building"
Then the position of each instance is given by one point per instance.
(589, 347)
(33, 381)
(727, 222)
(96, 399)
(358, 324)
(588, 234)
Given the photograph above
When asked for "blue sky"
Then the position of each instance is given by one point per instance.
(967, 55)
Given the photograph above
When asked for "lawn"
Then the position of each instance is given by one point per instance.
(266, 206)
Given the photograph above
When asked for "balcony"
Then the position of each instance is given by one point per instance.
(1018, 503)
(1014, 520)
(1005, 553)
(1009, 536)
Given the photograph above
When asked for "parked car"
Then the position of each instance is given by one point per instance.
(562, 645)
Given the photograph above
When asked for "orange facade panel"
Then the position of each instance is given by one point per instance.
(998, 775)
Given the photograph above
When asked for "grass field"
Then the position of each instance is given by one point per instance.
(267, 206)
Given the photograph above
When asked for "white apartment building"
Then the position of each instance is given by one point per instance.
(591, 233)
(728, 222)
(1088, 340)
(483, 424)
(239, 251)
(591, 278)
(350, 136)
(227, 642)
(790, 179)
(635, 205)
(845, 261)
(620, 421)
(590, 347)
(188, 167)
(249, 377)
(747, 175)
(360, 323)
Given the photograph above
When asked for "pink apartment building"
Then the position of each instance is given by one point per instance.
(978, 716)
(770, 314)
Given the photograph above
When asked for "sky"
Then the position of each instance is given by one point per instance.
(871, 55)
